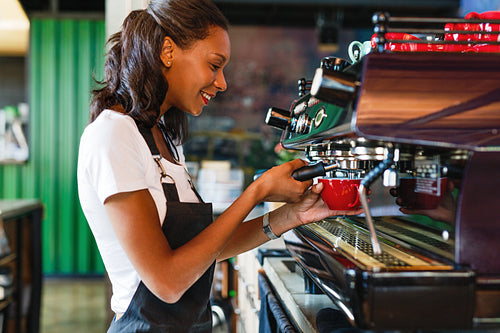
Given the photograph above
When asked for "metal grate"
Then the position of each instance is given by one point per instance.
(361, 245)
(415, 235)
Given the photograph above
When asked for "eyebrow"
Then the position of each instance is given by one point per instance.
(224, 59)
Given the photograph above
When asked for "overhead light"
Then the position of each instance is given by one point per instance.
(14, 29)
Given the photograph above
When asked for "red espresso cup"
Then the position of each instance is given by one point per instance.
(341, 193)
(421, 193)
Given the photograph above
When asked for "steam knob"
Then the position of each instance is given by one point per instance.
(278, 118)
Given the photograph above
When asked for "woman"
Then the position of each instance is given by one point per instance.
(155, 235)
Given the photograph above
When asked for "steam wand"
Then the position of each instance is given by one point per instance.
(365, 183)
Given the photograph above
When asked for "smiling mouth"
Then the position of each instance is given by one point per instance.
(206, 97)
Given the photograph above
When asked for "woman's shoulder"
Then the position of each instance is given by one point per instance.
(111, 119)
(111, 123)
(111, 129)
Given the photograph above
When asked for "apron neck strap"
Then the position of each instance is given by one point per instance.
(147, 134)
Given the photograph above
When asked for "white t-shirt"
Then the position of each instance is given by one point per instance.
(115, 158)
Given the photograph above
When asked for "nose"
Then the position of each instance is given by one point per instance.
(220, 82)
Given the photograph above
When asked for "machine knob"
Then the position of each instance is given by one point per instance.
(303, 124)
(334, 87)
(278, 118)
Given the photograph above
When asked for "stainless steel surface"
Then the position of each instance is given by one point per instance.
(422, 130)
(288, 280)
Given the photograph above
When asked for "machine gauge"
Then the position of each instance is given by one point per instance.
(320, 115)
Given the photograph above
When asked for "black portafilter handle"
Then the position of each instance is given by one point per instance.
(307, 172)
(314, 170)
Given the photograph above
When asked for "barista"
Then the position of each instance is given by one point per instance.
(154, 233)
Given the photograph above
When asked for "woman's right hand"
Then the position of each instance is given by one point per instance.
(278, 185)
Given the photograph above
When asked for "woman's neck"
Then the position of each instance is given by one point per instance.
(118, 108)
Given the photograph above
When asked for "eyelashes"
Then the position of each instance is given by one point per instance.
(215, 67)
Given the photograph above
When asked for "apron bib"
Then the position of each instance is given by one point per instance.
(192, 313)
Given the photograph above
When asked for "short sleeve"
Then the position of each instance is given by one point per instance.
(112, 156)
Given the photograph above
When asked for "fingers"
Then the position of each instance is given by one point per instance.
(317, 188)
(279, 185)
(347, 212)
(297, 163)
(307, 184)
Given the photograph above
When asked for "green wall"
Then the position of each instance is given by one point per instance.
(64, 57)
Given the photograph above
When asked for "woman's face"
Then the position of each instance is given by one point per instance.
(195, 75)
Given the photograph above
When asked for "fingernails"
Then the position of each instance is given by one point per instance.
(319, 186)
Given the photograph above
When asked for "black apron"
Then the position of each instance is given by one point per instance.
(192, 313)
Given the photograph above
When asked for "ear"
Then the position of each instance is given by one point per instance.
(167, 52)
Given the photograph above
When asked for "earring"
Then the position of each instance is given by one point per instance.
(169, 63)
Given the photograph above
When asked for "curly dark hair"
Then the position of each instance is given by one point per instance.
(133, 74)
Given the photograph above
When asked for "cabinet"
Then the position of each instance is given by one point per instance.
(21, 221)
(248, 301)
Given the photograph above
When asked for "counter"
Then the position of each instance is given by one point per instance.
(287, 279)
(287, 283)
(10, 209)
(20, 234)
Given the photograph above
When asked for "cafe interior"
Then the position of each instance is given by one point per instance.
(386, 95)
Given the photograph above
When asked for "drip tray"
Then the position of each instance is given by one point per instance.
(356, 245)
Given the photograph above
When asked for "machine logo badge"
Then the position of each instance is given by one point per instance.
(319, 117)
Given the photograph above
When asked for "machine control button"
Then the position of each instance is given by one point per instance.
(303, 124)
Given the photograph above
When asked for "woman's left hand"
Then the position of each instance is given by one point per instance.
(278, 185)
(310, 208)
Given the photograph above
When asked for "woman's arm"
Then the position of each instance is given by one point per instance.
(169, 273)
(310, 209)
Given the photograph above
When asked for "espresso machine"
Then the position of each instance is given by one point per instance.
(422, 131)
